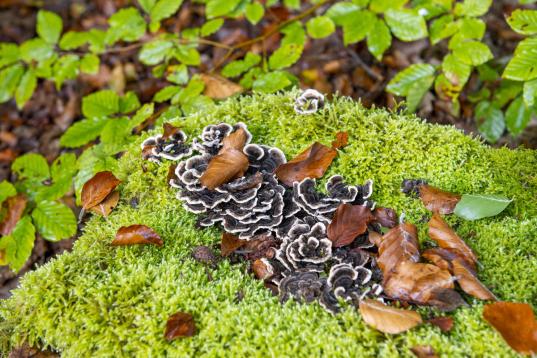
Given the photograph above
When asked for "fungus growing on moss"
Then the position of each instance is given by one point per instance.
(169, 145)
(309, 102)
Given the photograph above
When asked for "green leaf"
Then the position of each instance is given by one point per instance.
(506, 92)
(271, 82)
(470, 28)
(100, 104)
(457, 72)
(116, 134)
(294, 33)
(254, 12)
(129, 102)
(73, 39)
(162, 10)
(49, 26)
(530, 92)
(356, 30)
(66, 68)
(216, 8)
(31, 166)
(96, 40)
(166, 93)
(90, 64)
(63, 166)
(523, 21)
(178, 74)
(147, 5)
(193, 89)
(9, 53)
(210, 27)
(381, 6)
(9, 79)
(478, 206)
(26, 88)
(517, 116)
(249, 77)
(82, 132)
(142, 114)
(54, 220)
(91, 161)
(417, 91)
(492, 121)
(36, 49)
(236, 68)
(197, 104)
(62, 171)
(18, 246)
(379, 39)
(523, 65)
(6, 190)
(127, 25)
(442, 28)
(155, 51)
(406, 24)
(285, 56)
(472, 8)
(401, 83)
(187, 55)
(320, 27)
(292, 4)
(472, 53)
(342, 12)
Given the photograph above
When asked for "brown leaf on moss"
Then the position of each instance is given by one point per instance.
(204, 255)
(437, 200)
(444, 323)
(107, 205)
(342, 139)
(171, 173)
(261, 269)
(439, 257)
(388, 319)
(398, 245)
(385, 217)
(423, 352)
(180, 325)
(469, 282)
(516, 323)
(26, 351)
(236, 140)
(218, 87)
(15, 206)
(136, 235)
(311, 163)
(229, 244)
(169, 130)
(446, 238)
(98, 188)
(349, 221)
(224, 167)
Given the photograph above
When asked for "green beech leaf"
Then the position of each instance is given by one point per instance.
(178, 74)
(62, 171)
(506, 92)
(210, 27)
(162, 10)
(238, 67)
(100, 104)
(472, 8)
(254, 12)
(401, 83)
(26, 88)
(517, 116)
(442, 28)
(18, 246)
(217, 8)
(478, 206)
(530, 92)
(406, 24)
(9, 79)
(320, 27)
(6, 190)
(31, 166)
(523, 65)
(294, 33)
(9, 53)
(523, 21)
(49, 26)
(470, 28)
(342, 12)
(187, 55)
(292, 4)
(66, 68)
(155, 51)
(472, 53)
(379, 38)
(90, 64)
(73, 39)
(82, 132)
(142, 114)
(271, 82)
(147, 5)
(127, 25)
(129, 102)
(457, 72)
(166, 93)
(285, 56)
(116, 134)
(492, 121)
(381, 6)
(54, 220)
(36, 49)
(357, 29)
(417, 91)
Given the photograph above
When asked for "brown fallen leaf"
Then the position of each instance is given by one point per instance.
(261, 270)
(15, 206)
(236, 140)
(98, 188)
(311, 163)
(516, 323)
(388, 319)
(204, 255)
(180, 325)
(229, 244)
(169, 130)
(469, 282)
(437, 200)
(105, 207)
(444, 323)
(342, 139)
(171, 173)
(446, 238)
(349, 221)
(224, 167)
(423, 352)
(397, 245)
(26, 351)
(218, 87)
(136, 235)
(385, 217)
(439, 257)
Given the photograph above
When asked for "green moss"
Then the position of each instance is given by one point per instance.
(104, 301)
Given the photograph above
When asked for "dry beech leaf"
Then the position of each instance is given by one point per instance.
(388, 319)
(444, 323)
(342, 139)
(386, 217)
(180, 325)
(261, 270)
(229, 244)
(437, 200)
(423, 352)
(516, 323)
(218, 87)
(136, 235)
(397, 245)
(224, 167)
(15, 206)
(469, 282)
(311, 163)
(236, 140)
(349, 221)
(105, 207)
(98, 188)
(374, 237)
(446, 238)
(169, 130)
(171, 173)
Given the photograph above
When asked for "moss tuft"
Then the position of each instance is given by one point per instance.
(105, 301)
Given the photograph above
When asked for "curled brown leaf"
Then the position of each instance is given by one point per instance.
(236, 140)
(444, 323)
(423, 352)
(218, 87)
(516, 323)
(169, 130)
(105, 207)
(388, 319)
(342, 139)
(15, 206)
(224, 167)
(385, 217)
(180, 325)
(261, 269)
(398, 245)
(469, 282)
(437, 200)
(136, 235)
(349, 221)
(311, 163)
(230, 243)
(98, 188)
(447, 238)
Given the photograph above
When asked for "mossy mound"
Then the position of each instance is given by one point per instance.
(105, 301)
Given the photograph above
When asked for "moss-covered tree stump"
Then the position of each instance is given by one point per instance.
(114, 301)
